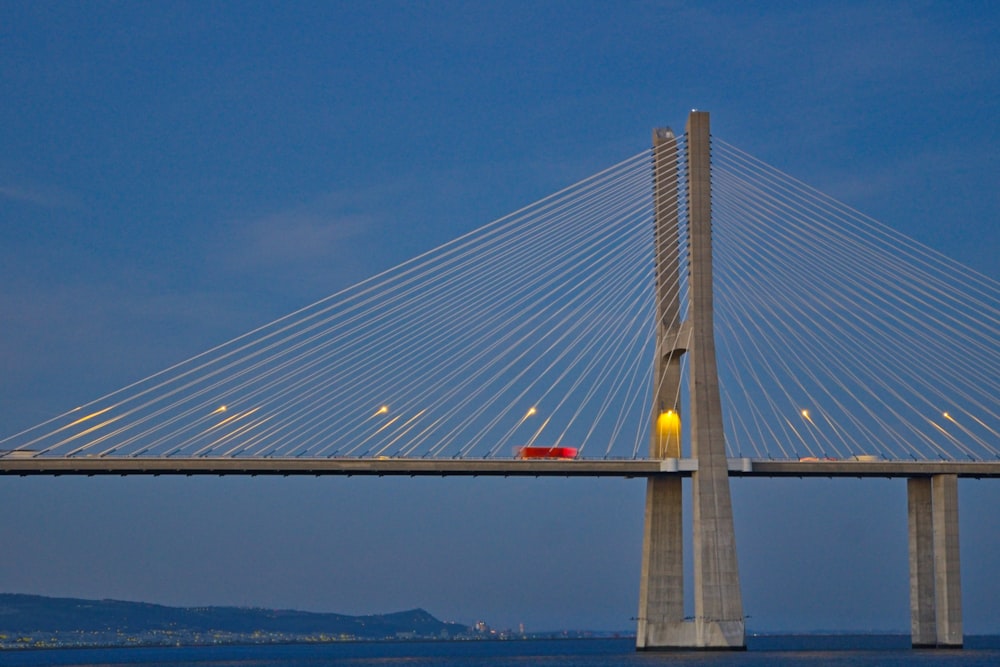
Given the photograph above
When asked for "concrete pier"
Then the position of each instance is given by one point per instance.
(935, 581)
(661, 593)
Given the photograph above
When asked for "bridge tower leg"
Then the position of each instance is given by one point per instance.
(661, 594)
(718, 621)
(935, 582)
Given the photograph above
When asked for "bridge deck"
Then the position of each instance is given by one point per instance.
(484, 467)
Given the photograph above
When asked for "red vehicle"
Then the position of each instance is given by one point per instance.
(545, 452)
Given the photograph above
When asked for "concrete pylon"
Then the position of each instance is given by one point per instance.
(718, 621)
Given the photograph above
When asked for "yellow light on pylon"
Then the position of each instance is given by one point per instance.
(668, 423)
(383, 410)
(531, 411)
(668, 428)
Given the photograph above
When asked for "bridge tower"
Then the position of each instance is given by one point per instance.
(718, 621)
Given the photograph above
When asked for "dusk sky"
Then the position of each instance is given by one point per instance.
(174, 174)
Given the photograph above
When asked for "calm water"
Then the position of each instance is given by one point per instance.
(763, 651)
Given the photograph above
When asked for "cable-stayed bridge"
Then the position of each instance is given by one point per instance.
(688, 312)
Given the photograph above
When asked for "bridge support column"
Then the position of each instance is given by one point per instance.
(935, 582)
(661, 590)
(718, 603)
(718, 609)
(661, 593)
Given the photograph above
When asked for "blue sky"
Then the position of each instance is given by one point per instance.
(175, 174)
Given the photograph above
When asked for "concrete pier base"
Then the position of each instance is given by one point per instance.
(661, 593)
(661, 623)
(935, 581)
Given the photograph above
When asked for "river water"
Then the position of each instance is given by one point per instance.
(771, 651)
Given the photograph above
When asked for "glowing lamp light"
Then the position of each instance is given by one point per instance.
(668, 425)
(668, 431)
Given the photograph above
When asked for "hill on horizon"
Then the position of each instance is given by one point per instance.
(23, 613)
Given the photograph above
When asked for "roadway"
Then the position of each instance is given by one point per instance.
(739, 467)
